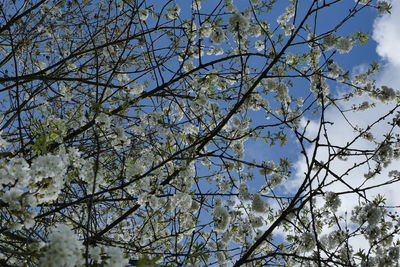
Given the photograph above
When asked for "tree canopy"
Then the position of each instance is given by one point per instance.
(194, 133)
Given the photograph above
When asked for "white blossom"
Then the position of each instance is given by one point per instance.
(196, 5)
(238, 23)
(205, 30)
(173, 12)
(218, 36)
(384, 94)
(182, 201)
(363, 2)
(287, 15)
(244, 192)
(332, 201)
(290, 58)
(222, 219)
(333, 239)
(143, 14)
(95, 253)
(218, 51)
(63, 249)
(329, 42)
(116, 257)
(16, 171)
(12, 197)
(256, 221)
(344, 45)
(334, 70)
(3, 142)
(103, 119)
(258, 205)
(255, 2)
(47, 166)
(307, 241)
(230, 6)
(259, 45)
(136, 89)
(367, 213)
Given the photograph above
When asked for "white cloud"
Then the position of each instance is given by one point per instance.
(386, 33)
(340, 132)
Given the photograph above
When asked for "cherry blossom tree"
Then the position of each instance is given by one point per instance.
(129, 130)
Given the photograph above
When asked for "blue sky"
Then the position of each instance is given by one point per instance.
(384, 49)
(361, 55)
(381, 28)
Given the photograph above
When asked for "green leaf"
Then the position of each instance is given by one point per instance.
(53, 136)
(380, 199)
(362, 38)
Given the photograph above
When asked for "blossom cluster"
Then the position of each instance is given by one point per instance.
(284, 19)
(63, 248)
(342, 44)
(135, 134)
